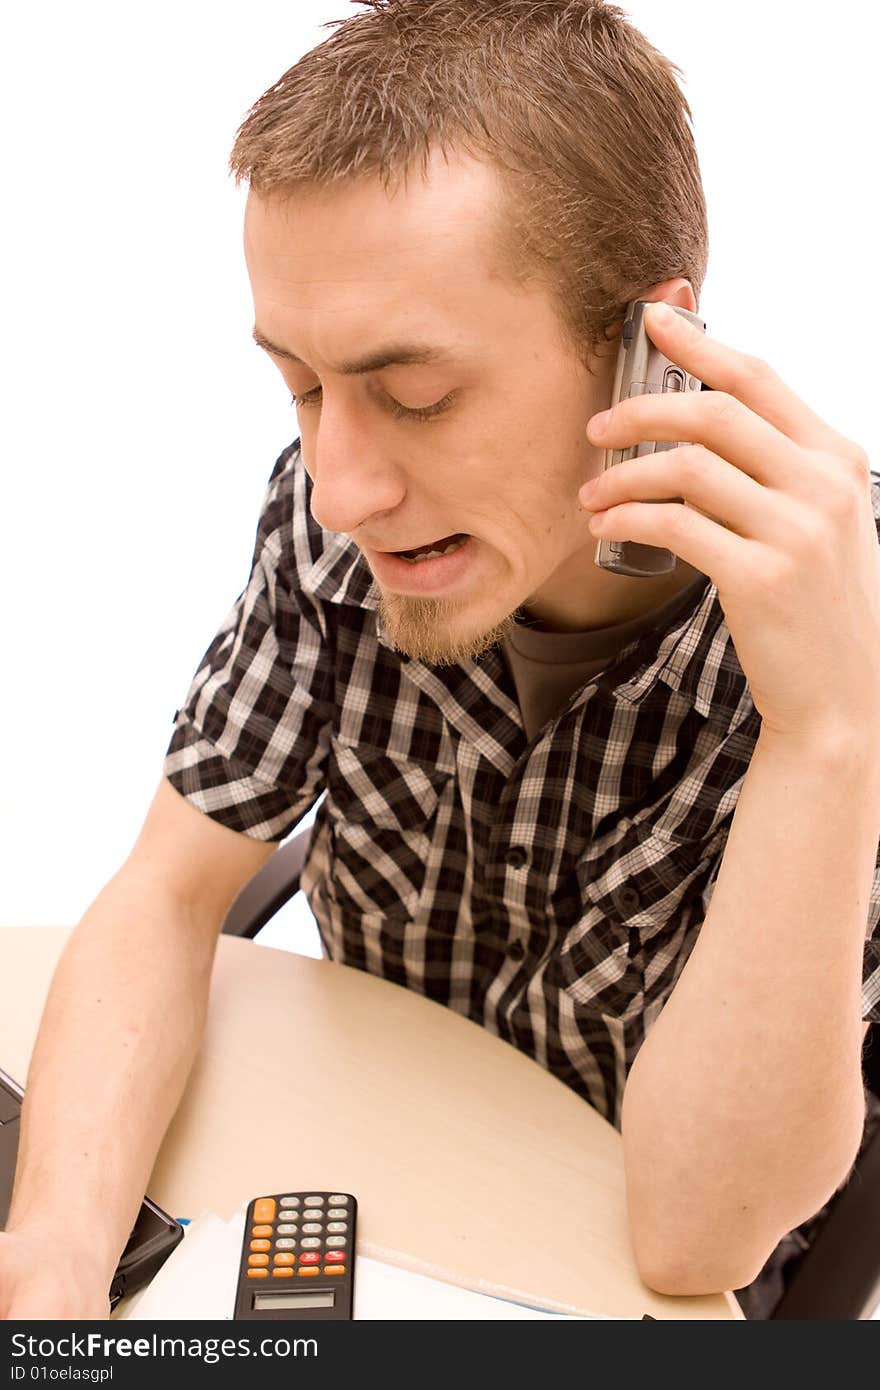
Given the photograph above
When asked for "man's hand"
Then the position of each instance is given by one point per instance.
(42, 1278)
(779, 518)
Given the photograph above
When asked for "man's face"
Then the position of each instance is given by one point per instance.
(339, 274)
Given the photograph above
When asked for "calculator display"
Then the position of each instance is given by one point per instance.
(295, 1299)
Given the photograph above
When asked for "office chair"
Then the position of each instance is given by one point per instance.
(837, 1279)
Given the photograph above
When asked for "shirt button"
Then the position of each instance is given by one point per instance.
(516, 950)
(627, 899)
(517, 857)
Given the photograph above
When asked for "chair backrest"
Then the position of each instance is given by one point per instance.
(270, 888)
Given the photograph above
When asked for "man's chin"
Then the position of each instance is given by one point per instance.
(436, 630)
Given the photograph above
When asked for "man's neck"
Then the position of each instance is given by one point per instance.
(636, 600)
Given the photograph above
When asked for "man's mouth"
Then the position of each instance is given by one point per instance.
(426, 569)
(446, 545)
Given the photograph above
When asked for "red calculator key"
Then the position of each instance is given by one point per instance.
(311, 1257)
(335, 1257)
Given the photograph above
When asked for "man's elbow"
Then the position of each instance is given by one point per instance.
(689, 1277)
(713, 1265)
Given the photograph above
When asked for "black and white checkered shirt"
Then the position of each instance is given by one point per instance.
(549, 889)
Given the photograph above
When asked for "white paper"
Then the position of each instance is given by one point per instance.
(198, 1281)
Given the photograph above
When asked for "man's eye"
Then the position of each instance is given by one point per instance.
(400, 412)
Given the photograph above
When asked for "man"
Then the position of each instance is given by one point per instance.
(630, 825)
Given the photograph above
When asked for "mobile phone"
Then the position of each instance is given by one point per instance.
(297, 1257)
(641, 368)
(153, 1236)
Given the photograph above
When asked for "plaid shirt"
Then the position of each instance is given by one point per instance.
(549, 889)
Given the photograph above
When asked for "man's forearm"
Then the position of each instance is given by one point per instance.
(744, 1108)
(121, 1026)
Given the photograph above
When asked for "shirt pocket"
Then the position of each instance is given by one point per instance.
(382, 809)
(641, 906)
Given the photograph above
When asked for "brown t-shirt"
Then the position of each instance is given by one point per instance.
(547, 667)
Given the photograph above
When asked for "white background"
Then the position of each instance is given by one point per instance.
(140, 424)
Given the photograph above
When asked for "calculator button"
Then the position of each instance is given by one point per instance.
(314, 1201)
(260, 1244)
(264, 1209)
(312, 1228)
(310, 1258)
(338, 1199)
(285, 1244)
(258, 1274)
(282, 1273)
(286, 1228)
(337, 1214)
(310, 1243)
(289, 1202)
(337, 1227)
(311, 1269)
(335, 1240)
(285, 1258)
(337, 1255)
(261, 1230)
(334, 1269)
(258, 1259)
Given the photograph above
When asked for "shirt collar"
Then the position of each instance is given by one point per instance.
(341, 574)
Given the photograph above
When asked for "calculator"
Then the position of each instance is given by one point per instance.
(297, 1257)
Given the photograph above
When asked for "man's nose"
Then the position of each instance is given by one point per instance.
(352, 479)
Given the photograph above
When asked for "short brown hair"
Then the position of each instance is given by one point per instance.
(581, 117)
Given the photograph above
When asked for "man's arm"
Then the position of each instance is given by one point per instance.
(122, 1023)
(744, 1109)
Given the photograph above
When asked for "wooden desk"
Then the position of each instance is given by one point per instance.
(469, 1161)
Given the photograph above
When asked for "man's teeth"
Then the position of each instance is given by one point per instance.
(434, 554)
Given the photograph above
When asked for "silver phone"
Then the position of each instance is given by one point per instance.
(642, 368)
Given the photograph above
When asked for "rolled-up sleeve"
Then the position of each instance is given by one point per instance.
(250, 741)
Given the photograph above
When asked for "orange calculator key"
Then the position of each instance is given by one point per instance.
(258, 1274)
(258, 1259)
(334, 1269)
(264, 1209)
(285, 1273)
(261, 1230)
(261, 1244)
(285, 1258)
(307, 1270)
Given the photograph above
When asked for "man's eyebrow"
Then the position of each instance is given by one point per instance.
(393, 355)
